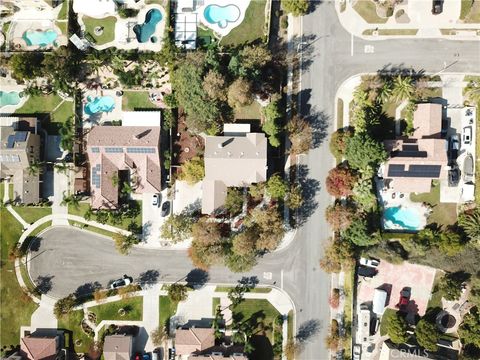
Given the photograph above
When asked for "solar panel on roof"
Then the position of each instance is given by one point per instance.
(413, 154)
(10, 141)
(21, 136)
(417, 171)
(409, 147)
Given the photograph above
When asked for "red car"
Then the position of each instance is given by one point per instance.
(404, 299)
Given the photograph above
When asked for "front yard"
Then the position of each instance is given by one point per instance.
(470, 11)
(107, 24)
(167, 308)
(133, 308)
(32, 213)
(72, 323)
(368, 11)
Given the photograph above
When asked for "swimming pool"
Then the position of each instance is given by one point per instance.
(9, 98)
(145, 31)
(221, 15)
(41, 38)
(399, 217)
(99, 104)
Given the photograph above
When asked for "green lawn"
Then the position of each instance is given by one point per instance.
(470, 11)
(249, 112)
(215, 305)
(108, 25)
(167, 309)
(72, 322)
(91, 228)
(205, 36)
(253, 309)
(368, 10)
(60, 115)
(32, 213)
(387, 315)
(2, 189)
(136, 100)
(63, 26)
(133, 307)
(16, 308)
(254, 290)
(62, 15)
(436, 296)
(477, 146)
(442, 213)
(251, 28)
(10, 191)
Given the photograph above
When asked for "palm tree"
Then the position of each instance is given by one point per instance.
(386, 91)
(115, 179)
(471, 224)
(127, 188)
(35, 167)
(403, 88)
(472, 91)
(88, 213)
(62, 167)
(96, 59)
(70, 200)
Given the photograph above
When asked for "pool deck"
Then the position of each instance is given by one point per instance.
(101, 117)
(8, 84)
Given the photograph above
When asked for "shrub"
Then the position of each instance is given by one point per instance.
(193, 170)
(340, 216)
(427, 335)
(358, 233)
(127, 13)
(64, 306)
(396, 328)
(340, 181)
(338, 141)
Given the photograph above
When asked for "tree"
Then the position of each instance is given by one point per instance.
(26, 65)
(427, 335)
(474, 295)
(177, 292)
(300, 134)
(193, 170)
(158, 336)
(276, 187)
(240, 93)
(64, 306)
(363, 193)
(358, 233)
(244, 243)
(207, 246)
(450, 286)
(332, 341)
(255, 56)
(469, 330)
(334, 298)
(403, 88)
(234, 201)
(123, 243)
(340, 216)
(450, 242)
(294, 199)
(470, 223)
(240, 263)
(472, 91)
(295, 7)
(269, 226)
(338, 141)
(270, 116)
(337, 255)
(364, 153)
(340, 181)
(214, 85)
(177, 227)
(67, 135)
(70, 200)
(257, 191)
(35, 167)
(397, 328)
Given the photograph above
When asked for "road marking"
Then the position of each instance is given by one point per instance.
(267, 275)
(351, 45)
(369, 49)
(281, 279)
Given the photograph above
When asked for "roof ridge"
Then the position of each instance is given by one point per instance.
(196, 337)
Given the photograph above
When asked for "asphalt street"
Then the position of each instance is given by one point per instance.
(71, 259)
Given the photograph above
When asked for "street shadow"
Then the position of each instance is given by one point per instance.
(147, 229)
(148, 278)
(44, 283)
(248, 282)
(35, 243)
(307, 330)
(400, 69)
(87, 289)
(197, 278)
(303, 50)
(309, 187)
(319, 121)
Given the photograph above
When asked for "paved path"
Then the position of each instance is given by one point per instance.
(60, 187)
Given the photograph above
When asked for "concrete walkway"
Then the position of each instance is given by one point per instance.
(60, 187)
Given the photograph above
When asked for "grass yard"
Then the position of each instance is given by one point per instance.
(2, 189)
(32, 213)
(387, 315)
(249, 112)
(205, 36)
(262, 290)
(17, 307)
(215, 305)
(108, 25)
(133, 307)
(11, 195)
(442, 213)
(40, 104)
(251, 28)
(136, 100)
(63, 14)
(470, 11)
(72, 323)
(436, 296)
(63, 26)
(167, 309)
(368, 10)
(91, 228)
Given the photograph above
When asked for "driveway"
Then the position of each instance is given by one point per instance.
(152, 219)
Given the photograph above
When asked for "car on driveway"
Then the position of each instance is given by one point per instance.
(369, 262)
(156, 200)
(404, 299)
(357, 350)
(437, 7)
(453, 176)
(454, 146)
(165, 208)
(126, 280)
(367, 271)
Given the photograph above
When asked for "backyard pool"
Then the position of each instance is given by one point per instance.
(9, 98)
(145, 31)
(221, 15)
(403, 218)
(39, 37)
(99, 104)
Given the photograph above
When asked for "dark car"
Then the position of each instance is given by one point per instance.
(453, 177)
(126, 280)
(454, 146)
(367, 271)
(171, 354)
(437, 7)
(165, 208)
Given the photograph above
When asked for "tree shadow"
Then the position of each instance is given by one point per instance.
(87, 289)
(307, 330)
(197, 278)
(44, 283)
(148, 278)
(319, 121)
(249, 282)
(309, 187)
(35, 243)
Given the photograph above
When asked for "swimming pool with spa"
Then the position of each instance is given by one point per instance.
(145, 31)
(404, 218)
(9, 98)
(99, 104)
(221, 15)
(40, 38)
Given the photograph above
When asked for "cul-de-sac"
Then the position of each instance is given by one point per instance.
(239, 179)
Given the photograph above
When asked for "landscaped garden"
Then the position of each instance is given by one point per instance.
(106, 25)
(368, 11)
(72, 322)
(442, 213)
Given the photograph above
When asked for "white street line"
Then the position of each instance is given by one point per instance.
(351, 45)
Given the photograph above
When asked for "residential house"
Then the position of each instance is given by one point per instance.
(194, 340)
(20, 147)
(123, 152)
(219, 356)
(415, 161)
(118, 347)
(238, 158)
(34, 347)
(28, 4)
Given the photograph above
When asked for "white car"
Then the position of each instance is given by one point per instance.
(369, 262)
(357, 350)
(156, 200)
(126, 280)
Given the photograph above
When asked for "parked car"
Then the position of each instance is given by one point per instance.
(126, 280)
(165, 208)
(369, 262)
(437, 7)
(404, 298)
(453, 176)
(171, 354)
(367, 271)
(156, 200)
(146, 356)
(138, 356)
(467, 135)
(454, 146)
(357, 351)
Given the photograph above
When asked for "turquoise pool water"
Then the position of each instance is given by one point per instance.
(145, 31)
(41, 38)
(99, 104)
(402, 217)
(9, 98)
(221, 15)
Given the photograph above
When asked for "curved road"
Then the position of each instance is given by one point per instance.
(72, 259)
